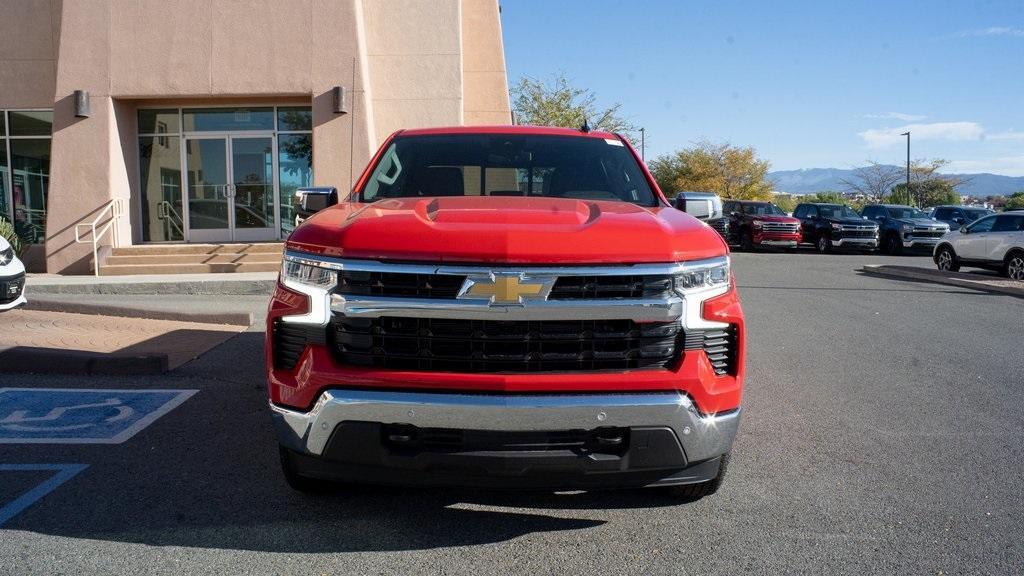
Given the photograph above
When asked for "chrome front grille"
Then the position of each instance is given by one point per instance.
(602, 287)
(858, 231)
(929, 232)
(784, 227)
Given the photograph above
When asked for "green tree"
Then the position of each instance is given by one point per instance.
(924, 193)
(729, 171)
(559, 103)
(785, 202)
(1015, 201)
(827, 197)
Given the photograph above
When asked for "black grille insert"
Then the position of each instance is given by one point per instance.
(598, 287)
(609, 440)
(399, 284)
(504, 346)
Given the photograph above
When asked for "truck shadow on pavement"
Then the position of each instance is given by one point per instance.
(206, 475)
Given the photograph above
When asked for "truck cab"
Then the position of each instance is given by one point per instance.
(506, 307)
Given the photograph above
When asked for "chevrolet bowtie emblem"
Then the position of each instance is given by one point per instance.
(506, 288)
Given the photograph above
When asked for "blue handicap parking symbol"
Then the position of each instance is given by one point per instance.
(75, 416)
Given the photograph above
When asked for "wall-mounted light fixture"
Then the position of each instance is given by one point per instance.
(81, 104)
(340, 103)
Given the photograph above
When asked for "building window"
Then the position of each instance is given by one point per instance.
(25, 170)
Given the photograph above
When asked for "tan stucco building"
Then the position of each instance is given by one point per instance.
(205, 115)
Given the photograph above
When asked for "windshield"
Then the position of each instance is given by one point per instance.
(976, 213)
(509, 165)
(761, 209)
(906, 212)
(837, 211)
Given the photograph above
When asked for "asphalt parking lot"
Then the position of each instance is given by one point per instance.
(883, 432)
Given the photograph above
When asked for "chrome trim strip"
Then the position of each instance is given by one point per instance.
(871, 241)
(638, 310)
(702, 436)
(529, 269)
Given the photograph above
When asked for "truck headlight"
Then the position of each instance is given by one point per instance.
(702, 276)
(837, 226)
(757, 224)
(907, 228)
(6, 256)
(307, 274)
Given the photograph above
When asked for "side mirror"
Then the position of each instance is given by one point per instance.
(864, 217)
(958, 220)
(963, 230)
(309, 201)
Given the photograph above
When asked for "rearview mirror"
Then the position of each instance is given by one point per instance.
(309, 201)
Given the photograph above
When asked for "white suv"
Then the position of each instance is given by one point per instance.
(995, 242)
(12, 278)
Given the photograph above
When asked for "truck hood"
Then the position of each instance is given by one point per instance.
(925, 222)
(474, 229)
(853, 221)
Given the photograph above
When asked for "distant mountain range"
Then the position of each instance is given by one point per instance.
(811, 180)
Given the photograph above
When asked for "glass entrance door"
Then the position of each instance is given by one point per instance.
(231, 188)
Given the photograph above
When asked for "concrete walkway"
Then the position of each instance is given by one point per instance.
(988, 282)
(236, 283)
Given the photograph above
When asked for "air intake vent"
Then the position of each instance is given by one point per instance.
(291, 339)
(718, 344)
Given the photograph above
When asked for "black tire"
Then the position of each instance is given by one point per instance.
(301, 483)
(1013, 266)
(893, 245)
(823, 244)
(945, 259)
(746, 240)
(694, 492)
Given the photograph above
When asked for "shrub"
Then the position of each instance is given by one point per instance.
(9, 234)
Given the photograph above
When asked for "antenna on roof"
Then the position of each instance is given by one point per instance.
(586, 127)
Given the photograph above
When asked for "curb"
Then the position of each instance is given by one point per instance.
(194, 287)
(48, 361)
(231, 318)
(947, 278)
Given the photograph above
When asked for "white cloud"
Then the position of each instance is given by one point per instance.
(897, 116)
(1005, 165)
(1007, 135)
(956, 131)
(993, 31)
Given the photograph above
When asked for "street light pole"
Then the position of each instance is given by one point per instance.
(907, 134)
(642, 147)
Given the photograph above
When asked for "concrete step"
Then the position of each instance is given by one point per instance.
(150, 249)
(218, 258)
(135, 269)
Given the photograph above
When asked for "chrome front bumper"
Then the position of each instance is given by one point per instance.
(921, 242)
(701, 437)
(785, 243)
(861, 242)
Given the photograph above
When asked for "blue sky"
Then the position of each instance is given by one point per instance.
(809, 84)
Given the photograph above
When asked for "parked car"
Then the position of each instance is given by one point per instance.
(995, 242)
(905, 227)
(835, 226)
(705, 206)
(957, 216)
(755, 224)
(12, 277)
(572, 331)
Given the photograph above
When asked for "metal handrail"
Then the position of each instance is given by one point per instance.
(166, 212)
(115, 209)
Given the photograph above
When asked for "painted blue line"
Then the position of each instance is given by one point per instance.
(64, 473)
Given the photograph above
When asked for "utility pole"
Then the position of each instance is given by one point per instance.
(642, 150)
(907, 134)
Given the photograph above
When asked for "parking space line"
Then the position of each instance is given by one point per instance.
(64, 472)
(14, 422)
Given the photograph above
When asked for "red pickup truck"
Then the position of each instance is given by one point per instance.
(506, 307)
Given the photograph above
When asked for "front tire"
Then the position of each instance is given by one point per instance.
(893, 246)
(946, 260)
(747, 241)
(824, 244)
(694, 492)
(1013, 267)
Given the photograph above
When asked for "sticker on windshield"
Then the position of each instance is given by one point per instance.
(613, 141)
